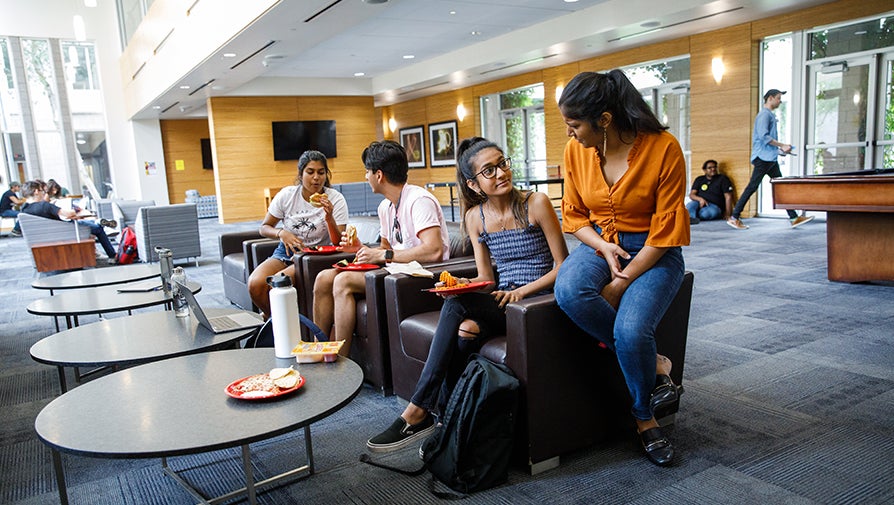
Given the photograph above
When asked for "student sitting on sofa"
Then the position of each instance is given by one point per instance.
(520, 231)
(412, 229)
(312, 214)
(34, 192)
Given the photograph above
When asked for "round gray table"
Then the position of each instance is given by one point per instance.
(178, 406)
(99, 300)
(132, 340)
(96, 277)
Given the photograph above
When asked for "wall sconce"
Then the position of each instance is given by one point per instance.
(460, 112)
(717, 69)
(559, 90)
(392, 125)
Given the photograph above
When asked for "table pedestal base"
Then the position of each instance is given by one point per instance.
(250, 488)
(250, 485)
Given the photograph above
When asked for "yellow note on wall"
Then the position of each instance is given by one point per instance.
(179, 165)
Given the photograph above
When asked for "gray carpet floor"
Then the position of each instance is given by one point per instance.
(789, 399)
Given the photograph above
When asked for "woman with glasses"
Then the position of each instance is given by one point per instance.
(520, 232)
(312, 214)
(624, 187)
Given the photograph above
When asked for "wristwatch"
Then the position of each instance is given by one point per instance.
(389, 255)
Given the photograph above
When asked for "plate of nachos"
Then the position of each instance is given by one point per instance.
(275, 383)
(450, 285)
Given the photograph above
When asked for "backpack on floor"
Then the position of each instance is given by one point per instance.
(471, 448)
(127, 246)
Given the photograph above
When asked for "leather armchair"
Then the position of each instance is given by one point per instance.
(240, 254)
(369, 347)
(572, 390)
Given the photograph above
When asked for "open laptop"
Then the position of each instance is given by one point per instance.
(220, 324)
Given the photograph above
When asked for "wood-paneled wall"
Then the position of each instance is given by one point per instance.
(181, 141)
(721, 113)
(241, 137)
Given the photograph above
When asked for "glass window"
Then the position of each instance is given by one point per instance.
(849, 39)
(665, 88)
(80, 65)
(41, 83)
(518, 124)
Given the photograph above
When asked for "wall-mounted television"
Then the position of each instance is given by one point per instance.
(207, 161)
(292, 138)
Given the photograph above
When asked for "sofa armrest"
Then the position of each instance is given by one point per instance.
(256, 251)
(568, 381)
(232, 242)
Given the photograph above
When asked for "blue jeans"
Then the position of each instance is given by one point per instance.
(630, 330)
(706, 213)
(15, 214)
(97, 231)
(761, 168)
(449, 353)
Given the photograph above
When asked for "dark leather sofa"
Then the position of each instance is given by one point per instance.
(240, 253)
(573, 393)
(369, 347)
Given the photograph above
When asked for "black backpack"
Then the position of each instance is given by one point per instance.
(471, 448)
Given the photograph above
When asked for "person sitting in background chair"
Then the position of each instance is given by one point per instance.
(35, 205)
(711, 196)
(9, 200)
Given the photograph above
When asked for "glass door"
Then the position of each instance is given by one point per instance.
(841, 117)
(884, 156)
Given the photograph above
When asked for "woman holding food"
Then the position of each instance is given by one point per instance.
(519, 232)
(312, 214)
(625, 178)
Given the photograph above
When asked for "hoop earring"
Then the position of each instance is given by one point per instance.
(604, 141)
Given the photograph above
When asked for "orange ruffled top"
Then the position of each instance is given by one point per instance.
(647, 198)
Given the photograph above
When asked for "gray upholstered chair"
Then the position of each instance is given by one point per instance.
(173, 226)
(38, 231)
(126, 210)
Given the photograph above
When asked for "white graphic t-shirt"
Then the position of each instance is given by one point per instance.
(303, 219)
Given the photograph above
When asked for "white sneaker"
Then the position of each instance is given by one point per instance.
(736, 223)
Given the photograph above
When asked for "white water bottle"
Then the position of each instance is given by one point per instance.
(284, 313)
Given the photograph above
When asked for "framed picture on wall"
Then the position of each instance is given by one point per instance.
(413, 140)
(442, 138)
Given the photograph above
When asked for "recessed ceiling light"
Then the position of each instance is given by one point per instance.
(229, 55)
(570, 1)
(409, 56)
(475, 32)
(452, 13)
(861, 32)
(359, 74)
(81, 141)
(156, 107)
(184, 87)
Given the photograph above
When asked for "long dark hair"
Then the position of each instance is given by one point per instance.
(589, 94)
(307, 157)
(465, 171)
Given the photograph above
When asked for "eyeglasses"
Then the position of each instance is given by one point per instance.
(490, 172)
(396, 229)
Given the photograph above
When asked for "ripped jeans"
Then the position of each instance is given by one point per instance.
(449, 353)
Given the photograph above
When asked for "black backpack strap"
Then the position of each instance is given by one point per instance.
(364, 458)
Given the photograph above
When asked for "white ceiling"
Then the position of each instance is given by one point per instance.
(455, 43)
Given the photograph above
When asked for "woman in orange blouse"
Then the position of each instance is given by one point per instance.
(625, 180)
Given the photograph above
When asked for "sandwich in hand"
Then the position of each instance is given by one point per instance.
(316, 199)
